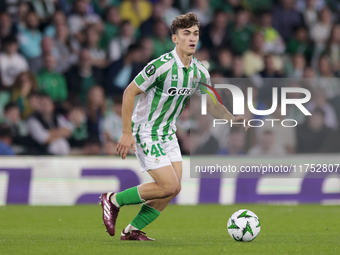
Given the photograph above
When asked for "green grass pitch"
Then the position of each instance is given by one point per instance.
(201, 229)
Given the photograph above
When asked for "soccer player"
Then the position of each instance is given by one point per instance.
(152, 136)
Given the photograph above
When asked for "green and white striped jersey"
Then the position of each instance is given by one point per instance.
(167, 84)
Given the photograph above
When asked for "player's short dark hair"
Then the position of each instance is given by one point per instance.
(184, 21)
(9, 106)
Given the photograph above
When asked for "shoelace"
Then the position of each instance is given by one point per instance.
(139, 232)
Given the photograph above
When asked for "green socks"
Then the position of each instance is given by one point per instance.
(129, 197)
(146, 215)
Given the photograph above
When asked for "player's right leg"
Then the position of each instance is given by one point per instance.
(166, 185)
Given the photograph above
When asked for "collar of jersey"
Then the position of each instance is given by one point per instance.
(179, 62)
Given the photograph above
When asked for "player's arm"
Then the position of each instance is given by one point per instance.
(219, 111)
(127, 141)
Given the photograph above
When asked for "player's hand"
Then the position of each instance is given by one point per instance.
(125, 143)
(241, 119)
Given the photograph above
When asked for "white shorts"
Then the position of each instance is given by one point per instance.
(155, 154)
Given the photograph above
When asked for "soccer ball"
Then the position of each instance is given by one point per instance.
(244, 225)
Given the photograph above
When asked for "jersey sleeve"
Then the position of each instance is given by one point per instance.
(204, 78)
(147, 78)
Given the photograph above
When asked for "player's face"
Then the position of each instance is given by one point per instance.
(186, 39)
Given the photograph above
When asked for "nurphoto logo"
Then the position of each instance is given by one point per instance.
(239, 103)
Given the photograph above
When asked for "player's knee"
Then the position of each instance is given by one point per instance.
(170, 190)
(178, 190)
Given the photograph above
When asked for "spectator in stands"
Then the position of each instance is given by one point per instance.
(310, 14)
(225, 59)
(30, 37)
(25, 83)
(34, 101)
(112, 125)
(20, 136)
(319, 101)
(147, 26)
(47, 48)
(95, 111)
(23, 10)
(119, 45)
(269, 70)
(328, 83)
(5, 140)
(332, 50)
(240, 33)
(100, 7)
(257, 6)
(136, 11)
(332, 144)
(111, 26)
(50, 130)
(321, 30)
(235, 143)
(170, 12)
(312, 135)
(44, 9)
(273, 42)
(309, 73)
(302, 5)
(298, 66)
(77, 117)
(66, 46)
(237, 68)
(161, 40)
(59, 19)
(285, 18)
(253, 58)
(80, 19)
(215, 34)
(300, 44)
(267, 146)
(202, 9)
(284, 137)
(81, 77)
(92, 147)
(207, 144)
(228, 6)
(98, 55)
(147, 48)
(121, 72)
(203, 55)
(50, 82)
(11, 62)
(6, 26)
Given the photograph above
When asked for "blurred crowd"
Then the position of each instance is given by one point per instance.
(64, 65)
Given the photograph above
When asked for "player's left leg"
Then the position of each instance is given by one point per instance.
(161, 203)
(151, 210)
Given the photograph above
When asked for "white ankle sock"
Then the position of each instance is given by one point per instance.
(114, 200)
(129, 228)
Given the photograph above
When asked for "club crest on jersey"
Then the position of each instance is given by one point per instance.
(150, 70)
(182, 91)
